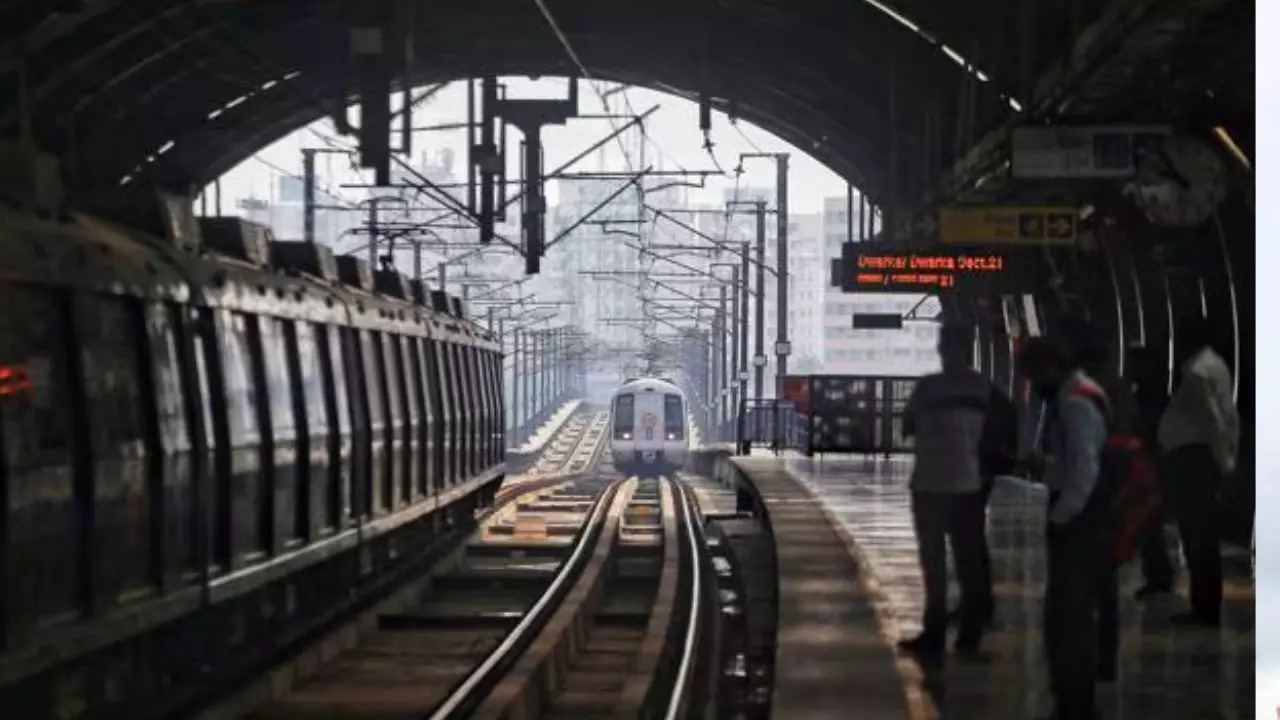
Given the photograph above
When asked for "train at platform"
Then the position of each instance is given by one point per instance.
(181, 410)
(650, 428)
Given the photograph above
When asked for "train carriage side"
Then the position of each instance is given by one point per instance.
(177, 432)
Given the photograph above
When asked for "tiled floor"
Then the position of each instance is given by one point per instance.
(1166, 672)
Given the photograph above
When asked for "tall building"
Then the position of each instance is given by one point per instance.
(600, 305)
(283, 212)
(909, 351)
(806, 283)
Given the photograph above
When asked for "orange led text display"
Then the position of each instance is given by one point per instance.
(926, 272)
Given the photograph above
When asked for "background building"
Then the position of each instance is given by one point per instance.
(909, 351)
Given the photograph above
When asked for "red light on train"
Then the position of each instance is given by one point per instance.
(13, 380)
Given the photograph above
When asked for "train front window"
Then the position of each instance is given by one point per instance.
(673, 416)
(624, 416)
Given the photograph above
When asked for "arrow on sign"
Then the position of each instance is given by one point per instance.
(1031, 225)
(1061, 225)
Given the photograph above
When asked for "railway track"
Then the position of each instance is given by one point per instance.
(409, 658)
(591, 612)
(624, 641)
(580, 596)
(575, 449)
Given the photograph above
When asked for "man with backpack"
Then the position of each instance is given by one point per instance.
(1074, 437)
(1128, 489)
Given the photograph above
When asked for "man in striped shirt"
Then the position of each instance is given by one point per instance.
(946, 414)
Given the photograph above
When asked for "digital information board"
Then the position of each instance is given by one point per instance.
(878, 268)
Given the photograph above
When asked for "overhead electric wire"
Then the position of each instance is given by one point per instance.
(594, 84)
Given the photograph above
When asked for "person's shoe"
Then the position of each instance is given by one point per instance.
(1194, 620)
(922, 646)
(1151, 590)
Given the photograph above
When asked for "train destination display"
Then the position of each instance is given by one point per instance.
(868, 268)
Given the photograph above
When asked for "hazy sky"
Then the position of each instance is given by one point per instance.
(675, 142)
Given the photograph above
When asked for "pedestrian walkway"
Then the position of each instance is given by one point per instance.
(548, 429)
(1166, 672)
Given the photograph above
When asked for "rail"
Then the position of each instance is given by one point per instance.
(681, 690)
(472, 688)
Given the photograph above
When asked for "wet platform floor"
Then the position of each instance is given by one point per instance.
(1166, 671)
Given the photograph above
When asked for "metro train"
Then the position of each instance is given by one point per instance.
(192, 406)
(650, 427)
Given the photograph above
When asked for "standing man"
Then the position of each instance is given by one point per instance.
(1098, 362)
(1074, 435)
(1200, 435)
(945, 414)
(1157, 570)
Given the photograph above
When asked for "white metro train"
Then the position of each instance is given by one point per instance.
(650, 428)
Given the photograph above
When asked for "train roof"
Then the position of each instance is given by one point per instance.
(651, 384)
(231, 263)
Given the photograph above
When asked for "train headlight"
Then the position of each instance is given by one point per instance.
(671, 436)
(626, 436)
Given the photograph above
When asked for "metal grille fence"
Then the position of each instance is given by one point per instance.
(831, 414)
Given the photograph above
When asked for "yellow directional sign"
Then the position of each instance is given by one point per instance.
(1007, 225)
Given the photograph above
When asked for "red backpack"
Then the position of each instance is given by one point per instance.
(1129, 478)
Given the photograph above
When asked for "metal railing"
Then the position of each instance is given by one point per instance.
(830, 414)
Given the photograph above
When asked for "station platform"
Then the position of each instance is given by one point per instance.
(1166, 671)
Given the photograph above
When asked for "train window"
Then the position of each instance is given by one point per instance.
(329, 349)
(396, 416)
(482, 408)
(466, 411)
(673, 416)
(275, 366)
(484, 375)
(361, 452)
(311, 378)
(203, 343)
(452, 412)
(375, 391)
(178, 502)
(243, 496)
(413, 403)
(109, 337)
(286, 483)
(316, 456)
(390, 355)
(41, 577)
(624, 416)
(165, 365)
(435, 414)
(237, 371)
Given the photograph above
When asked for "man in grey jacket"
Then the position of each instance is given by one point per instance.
(1075, 432)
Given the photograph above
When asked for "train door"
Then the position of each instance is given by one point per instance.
(649, 414)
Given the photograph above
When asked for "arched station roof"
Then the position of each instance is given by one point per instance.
(190, 88)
